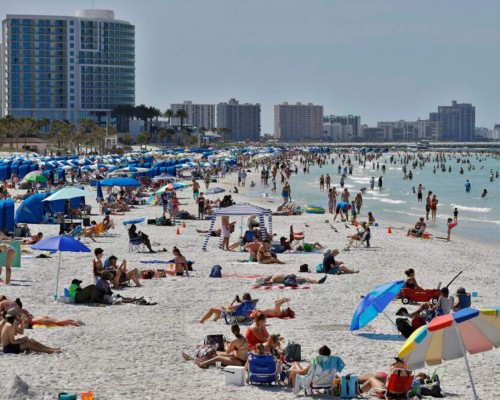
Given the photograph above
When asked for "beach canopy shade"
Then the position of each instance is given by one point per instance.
(68, 193)
(214, 190)
(60, 243)
(241, 210)
(126, 182)
(374, 303)
(35, 178)
(452, 336)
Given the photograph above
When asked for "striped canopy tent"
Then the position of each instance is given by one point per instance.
(241, 210)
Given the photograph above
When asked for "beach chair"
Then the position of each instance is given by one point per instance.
(76, 232)
(296, 238)
(438, 374)
(397, 386)
(262, 369)
(366, 238)
(135, 245)
(241, 315)
(248, 237)
(321, 375)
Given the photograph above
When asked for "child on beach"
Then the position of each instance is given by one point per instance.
(451, 225)
(455, 215)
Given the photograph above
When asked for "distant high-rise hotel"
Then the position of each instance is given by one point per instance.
(297, 122)
(61, 67)
(458, 121)
(344, 128)
(199, 115)
(242, 120)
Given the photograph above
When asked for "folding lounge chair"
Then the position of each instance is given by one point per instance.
(135, 245)
(241, 315)
(296, 238)
(321, 375)
(262, 369)
(397, 387)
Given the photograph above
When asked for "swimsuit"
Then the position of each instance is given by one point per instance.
(179, 274)
(8, 248)
(12, 349)
(252, 340)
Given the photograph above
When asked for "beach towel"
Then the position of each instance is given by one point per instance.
(245, 276)
(16, 262)
(264, 287)
(161, 261)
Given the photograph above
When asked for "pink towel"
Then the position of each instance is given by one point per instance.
(263, 287)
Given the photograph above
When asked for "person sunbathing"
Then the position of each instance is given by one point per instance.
(280, 278)
(332, 266)
(120, 273)
(236, 352)
(264, 254)
(379, 379)
(181, 264)
(308, 247)
(253, 248)
(362, 235)
(34, 239)
(217, 311)
(14, 326)
(276, 311)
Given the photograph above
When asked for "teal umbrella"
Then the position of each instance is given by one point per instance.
(68, 193)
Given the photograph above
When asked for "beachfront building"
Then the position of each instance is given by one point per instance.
(298, 122)
(495, 133)
(238, 122)
(458, 121)
(336, 132)
(350, 123)
(63, 67)
(409, 131)
(198, 115)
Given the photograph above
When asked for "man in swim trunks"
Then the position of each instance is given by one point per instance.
(13, 326)
(331, 266)
(342, 208)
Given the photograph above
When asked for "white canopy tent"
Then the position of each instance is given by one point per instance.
(242, 210)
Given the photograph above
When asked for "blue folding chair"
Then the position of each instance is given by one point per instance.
(241, 315)
(262, 369)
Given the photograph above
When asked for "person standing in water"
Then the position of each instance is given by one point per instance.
(485, 193)
(420, 189)
(380, 183)
(428, 205)
(467, 186)
(434, 203)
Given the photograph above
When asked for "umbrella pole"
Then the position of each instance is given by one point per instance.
(389, 318)
(467, 366)
(57, 277)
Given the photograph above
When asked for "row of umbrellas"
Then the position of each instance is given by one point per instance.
(446, 337)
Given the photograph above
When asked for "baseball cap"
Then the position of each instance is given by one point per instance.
(76, 282)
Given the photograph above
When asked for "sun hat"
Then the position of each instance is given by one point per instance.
(12, 313)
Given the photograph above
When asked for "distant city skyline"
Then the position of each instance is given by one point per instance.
(377, 59)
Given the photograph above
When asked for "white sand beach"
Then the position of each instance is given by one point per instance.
(133, 352)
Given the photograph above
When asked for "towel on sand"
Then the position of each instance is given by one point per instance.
(263, 287)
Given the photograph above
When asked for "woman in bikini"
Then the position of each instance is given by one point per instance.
(257, 332)
(236, 352)
(11, 253)
(181, 264)
(218, 311)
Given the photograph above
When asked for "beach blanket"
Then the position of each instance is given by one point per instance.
(16, 262)
(241, 276)
(246, 262)
(264, 287)
(161, 261)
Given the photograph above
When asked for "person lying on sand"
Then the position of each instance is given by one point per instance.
(217, 311)
(13, 326)
(332, 266)
(264, 254)
(279, 278)
(308, 247)
(34, 239)
(276, 311)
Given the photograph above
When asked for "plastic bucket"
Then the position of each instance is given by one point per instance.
(88, 396)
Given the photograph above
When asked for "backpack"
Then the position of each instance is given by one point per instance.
(290, 280)
(320, 269)
(304, 268)
(349, 388)
(216, 272)
(404, 327)
(293, 352)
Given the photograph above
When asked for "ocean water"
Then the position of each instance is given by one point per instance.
(478, 219)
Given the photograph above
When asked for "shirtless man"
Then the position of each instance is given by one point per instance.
(13, 326)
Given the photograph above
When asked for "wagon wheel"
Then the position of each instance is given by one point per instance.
(434, 300)
(405, 300)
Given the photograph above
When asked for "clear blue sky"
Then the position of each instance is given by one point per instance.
(383, 60)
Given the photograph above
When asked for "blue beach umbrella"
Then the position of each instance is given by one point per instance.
(134, 221)
(374, 303)
(214, 190)
(126, 182)
(60, 243)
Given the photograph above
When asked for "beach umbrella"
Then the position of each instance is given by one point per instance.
(60, 243)
(215, 190)
(68, 193)
(100, 195)
(374, 303)
(452, 336)
(172, 186)
(126, 182)
(36, 178)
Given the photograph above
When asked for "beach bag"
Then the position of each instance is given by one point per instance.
(349, 388)
(290, 280)
(216, 272)
(404, 327)
(304, 268)
(293, 352)
(205, 353)
(215, 341)
(320, 269)
(161, 221)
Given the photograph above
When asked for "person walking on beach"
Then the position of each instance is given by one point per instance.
(196, 189)
(434, 203)
(332, 200)
(428, 205)
(321, 182)
(11, 253)
(450, 226)
(358, 200)
(286, 193)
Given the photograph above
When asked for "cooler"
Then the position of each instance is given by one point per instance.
(234, 375)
